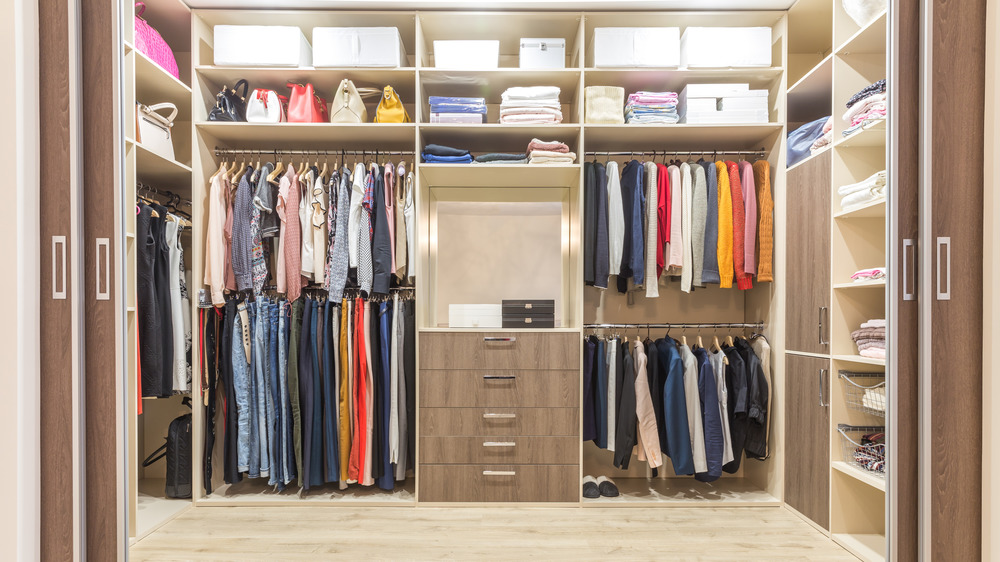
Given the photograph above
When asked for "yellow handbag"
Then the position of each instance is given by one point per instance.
(390, 108)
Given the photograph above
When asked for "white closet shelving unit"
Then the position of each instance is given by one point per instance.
(146, 82)
(834, 58)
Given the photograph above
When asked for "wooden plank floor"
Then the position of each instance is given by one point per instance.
(390, 533)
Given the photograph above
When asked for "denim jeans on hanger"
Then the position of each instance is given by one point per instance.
(262, 388)
(287, 451)
(241, 385)
(253, 422)
(331, 465)
(271, 384)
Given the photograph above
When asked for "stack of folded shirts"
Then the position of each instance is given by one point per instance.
(866, 106)
(869, 190)
(651, 107)
(870, 339)
(437, 154)
(867, 275)
(824, 140)
(501, 158)
(549, 152)
(532, 105)
(457, 110)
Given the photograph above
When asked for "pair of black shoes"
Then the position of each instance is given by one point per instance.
(597, 487)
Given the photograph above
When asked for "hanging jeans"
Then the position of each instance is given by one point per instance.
(287, 449)
(273, 398)
(306, 394)
(316, 468)
(331, 464)
(386, 478)
(294, 354)
(241, 386)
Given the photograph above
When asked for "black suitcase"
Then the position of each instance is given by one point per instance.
(177, 450)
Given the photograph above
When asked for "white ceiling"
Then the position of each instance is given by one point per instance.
(566, 5)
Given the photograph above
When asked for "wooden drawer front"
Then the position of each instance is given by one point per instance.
(527, 389)
(510, 350)
(443, 422)
(500, 449)
(502, 483)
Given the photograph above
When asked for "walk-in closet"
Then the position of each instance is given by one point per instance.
(451, 257)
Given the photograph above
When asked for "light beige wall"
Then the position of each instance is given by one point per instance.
(19, 253)
(991, 301)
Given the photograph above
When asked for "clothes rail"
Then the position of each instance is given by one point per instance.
(760, 152)
(248, 152)
(757, 325)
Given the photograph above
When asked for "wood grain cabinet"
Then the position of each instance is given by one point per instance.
(807, 312)
(807, 437)
(499, 417)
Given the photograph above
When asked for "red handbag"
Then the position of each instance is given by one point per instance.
(304, 106)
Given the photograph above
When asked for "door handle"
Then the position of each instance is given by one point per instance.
(103, 246)
(59, 268)
(489, 416)
(909, 266)
(499, 377)
(498, 339)
(498, 444)
(823, 311)
(945, 242)
(822, 395)
(499, 473)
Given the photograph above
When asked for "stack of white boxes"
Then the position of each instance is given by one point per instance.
(722, 103)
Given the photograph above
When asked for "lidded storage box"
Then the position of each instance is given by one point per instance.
(358, 46)
(542, 53)
(474, 316)
(724, 47)
(636, 46)
(261, 45)
(467, 55)
(529, 313)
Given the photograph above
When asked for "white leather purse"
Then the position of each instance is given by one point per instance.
(264, 106)
(153, 128)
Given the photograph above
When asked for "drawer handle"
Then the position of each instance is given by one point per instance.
(499, 473)
(498, 339)
(499, 377)
(499, 416)
(498, 444)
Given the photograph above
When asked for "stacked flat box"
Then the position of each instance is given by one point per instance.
(475, 316)
(260, 45)
(476, 118)
(358, 46)
(636, 46)
(726, 47)
(722, 103)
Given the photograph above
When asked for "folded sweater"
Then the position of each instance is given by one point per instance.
(440, 150)
(530, 93)
(875, 88)
(874, 180)
(550, 146)
(500, 157)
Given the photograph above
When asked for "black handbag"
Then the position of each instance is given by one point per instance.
(177, 450)
(230, 105)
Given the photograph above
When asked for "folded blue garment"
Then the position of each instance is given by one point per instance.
(457, 108)
(434, 159)
(434, 100)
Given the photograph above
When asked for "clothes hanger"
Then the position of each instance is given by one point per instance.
(279, 167)
(729, 340)
(684, 340)
(699, 343)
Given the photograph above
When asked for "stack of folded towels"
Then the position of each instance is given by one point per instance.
(868, 275)
(437, 154)
(824, 140)
(532, 105)
(457, 110)
(870, 339)
(866, 191)
(549, 152)
(651, 107)
(866, 106)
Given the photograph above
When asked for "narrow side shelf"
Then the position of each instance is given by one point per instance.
(870, 136)
(157, 170)
(859, 359)
(860, 475)
(872, 210)
(879, 284)
(870, 548)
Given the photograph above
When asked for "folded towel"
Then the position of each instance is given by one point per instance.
(551, 146)
(531, 119)
(552, 104)
(874, 180)
(551, 154)
(530, 93)
(441, 150)
(863, 275)
(863, 106)
(875, 88)
(874, 323)
(434, 159)
(874, 399)
(531, 111)
(500, 157)
(872, 353)
(861, 198)
(862, 333)
(547, 160)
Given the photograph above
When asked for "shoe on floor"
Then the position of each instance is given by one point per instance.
(590, 489)
(606, 487)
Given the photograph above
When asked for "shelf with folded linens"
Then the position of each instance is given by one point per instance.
(495, 137)
(367, 136)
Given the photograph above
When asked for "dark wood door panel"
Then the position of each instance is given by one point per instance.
(807, 437)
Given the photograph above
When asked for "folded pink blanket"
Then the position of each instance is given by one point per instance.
(868, 333)
(551, 146)
(872, 353)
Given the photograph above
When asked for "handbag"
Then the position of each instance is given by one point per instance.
(348, 106)
(149, 42)
(390, 108)
(604, 105)
(304, 106)
(230, 105)
(266, 106)
(177, 450)
(154, 128)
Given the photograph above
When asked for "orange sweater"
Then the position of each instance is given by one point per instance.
(724, 247)
(743, 280)
(765, 228)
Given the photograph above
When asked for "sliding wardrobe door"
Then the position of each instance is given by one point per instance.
(951, 290)
(59, 242)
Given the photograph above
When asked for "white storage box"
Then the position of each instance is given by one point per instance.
(467, 55)
(477, 118)
(751, 102)
(358, 46)
(261, 45)
(724, 47)
(475, 316)
(542, 53)
(713, 90)
(636, 46)
(726, 117)
(722, 103)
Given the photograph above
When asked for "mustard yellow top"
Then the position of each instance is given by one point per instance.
(725, 243)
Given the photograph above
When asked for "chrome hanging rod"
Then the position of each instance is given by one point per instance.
(756, 325)
(760, 152)
(248, 151)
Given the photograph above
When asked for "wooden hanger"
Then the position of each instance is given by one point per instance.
(729, 340)
(699, 343)
(279, 167)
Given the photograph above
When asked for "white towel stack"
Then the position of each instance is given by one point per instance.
(532, 105)
(869, 190)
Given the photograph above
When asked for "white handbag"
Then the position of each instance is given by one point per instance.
(264, 106)
(154, 128)
(864, 11)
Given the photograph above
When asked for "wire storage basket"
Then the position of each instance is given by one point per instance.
(865, 392)
(864, 447)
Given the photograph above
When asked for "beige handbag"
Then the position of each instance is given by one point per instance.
(153, 128)
(347, 106)
(604, 105)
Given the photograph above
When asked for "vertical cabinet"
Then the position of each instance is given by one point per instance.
(807, 316)
(807, 437)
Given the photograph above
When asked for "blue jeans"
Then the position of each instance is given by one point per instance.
(274, 398)
(287, 449)
(262, 388)
(241, 387)
(331, 448)
(252, 418)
